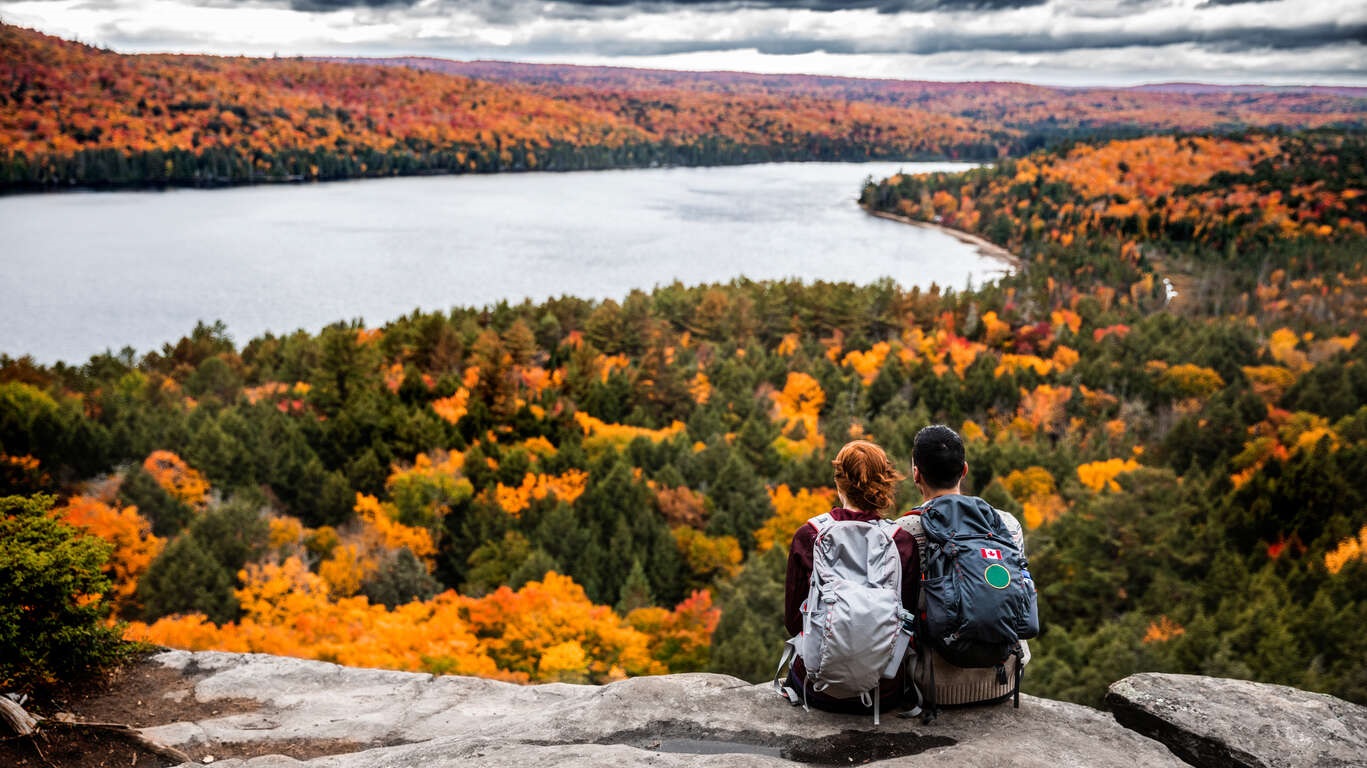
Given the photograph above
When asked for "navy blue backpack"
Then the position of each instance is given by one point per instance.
(979, 598)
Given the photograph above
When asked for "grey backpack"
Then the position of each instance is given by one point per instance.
(852, 621)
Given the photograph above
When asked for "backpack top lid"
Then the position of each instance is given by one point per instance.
(956, 516)
(862, 551)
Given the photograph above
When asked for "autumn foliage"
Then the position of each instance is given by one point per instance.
(547, 631)
(177, 478)
(134, 546)
(1156, 201)
(81, 114)
(1167, 389)
(78, 114)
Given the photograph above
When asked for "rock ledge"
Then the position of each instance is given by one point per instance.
(400, 719)
(1210, 721)
(407, 719)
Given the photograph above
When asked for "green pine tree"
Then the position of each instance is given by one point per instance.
(185, 578)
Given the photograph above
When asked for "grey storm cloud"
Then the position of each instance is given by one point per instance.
(934, 26)
(886, 6)
(1232, 37)
(323, 6)
(883, 6)
(1229, 38)
(948, 40)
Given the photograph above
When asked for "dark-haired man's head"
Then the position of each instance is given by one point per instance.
(937, 458)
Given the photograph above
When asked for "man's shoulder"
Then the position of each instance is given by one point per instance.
(1006, 517)
(909, 523)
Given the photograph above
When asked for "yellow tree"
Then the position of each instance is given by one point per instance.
(798, 405)
(177, 478)
(791, 510)
(1034, 488)
(707, 557)
(1101, 475)
(1351, 548)
(518, 628)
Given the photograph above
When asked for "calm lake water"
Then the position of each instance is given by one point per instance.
(82, 273)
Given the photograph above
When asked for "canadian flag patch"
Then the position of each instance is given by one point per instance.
(992, 554)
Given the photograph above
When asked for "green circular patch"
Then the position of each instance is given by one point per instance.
(997, 576)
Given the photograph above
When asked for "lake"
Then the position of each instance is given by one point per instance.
(87, 272)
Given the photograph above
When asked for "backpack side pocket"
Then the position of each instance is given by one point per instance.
(1027, 625)
(944, 608)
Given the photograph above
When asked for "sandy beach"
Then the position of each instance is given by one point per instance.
(985, 247)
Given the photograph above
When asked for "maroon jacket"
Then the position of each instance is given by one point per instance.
(800, 575)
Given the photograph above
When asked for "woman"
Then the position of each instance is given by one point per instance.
(866, 483)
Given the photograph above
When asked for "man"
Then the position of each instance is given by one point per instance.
(938, 469)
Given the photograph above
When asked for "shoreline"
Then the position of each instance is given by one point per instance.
(985, 247)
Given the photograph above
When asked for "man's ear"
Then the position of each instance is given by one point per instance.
(964, 474)
(915, 475)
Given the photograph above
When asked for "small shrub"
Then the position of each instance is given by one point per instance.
(53, 605)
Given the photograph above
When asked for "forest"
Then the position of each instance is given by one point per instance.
(74, 116)
(1169, 392)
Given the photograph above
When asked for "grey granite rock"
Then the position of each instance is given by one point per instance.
(1217, 722)
(407, 719)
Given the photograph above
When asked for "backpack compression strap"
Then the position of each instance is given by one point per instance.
(780, 680)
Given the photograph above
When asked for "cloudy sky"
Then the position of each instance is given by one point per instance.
(1062, 42)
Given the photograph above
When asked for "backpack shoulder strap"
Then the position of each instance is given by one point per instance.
(821, 522)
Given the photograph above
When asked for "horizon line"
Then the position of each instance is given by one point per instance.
(1137, 85)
